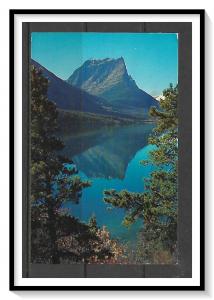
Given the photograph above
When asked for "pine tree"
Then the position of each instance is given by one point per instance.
(157, 205)
(93, 224)
(56, 236)
(53, 177)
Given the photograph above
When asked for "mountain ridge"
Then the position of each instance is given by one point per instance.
(68, 97)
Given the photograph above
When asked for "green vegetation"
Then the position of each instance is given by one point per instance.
(157, 205)
(56, 236)
(77, 122)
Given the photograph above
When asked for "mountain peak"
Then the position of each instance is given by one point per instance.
(104, 60)
(95, 74)
(107, 63)
(108, 78)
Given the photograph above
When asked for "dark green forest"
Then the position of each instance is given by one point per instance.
(56, 235)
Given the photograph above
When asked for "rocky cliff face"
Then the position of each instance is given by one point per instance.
(109, 80)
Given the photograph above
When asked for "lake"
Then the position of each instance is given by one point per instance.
(110, 159)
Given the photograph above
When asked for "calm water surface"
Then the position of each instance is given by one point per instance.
(110, 159)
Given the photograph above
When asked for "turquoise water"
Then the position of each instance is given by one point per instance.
(110, 159)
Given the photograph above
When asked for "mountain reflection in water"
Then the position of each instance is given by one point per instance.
(106, 153)
(109, 159)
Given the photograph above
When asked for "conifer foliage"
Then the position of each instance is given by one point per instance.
(157, 205)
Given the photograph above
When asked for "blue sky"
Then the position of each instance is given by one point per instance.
(151, 58)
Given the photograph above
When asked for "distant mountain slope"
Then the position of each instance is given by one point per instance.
(68, 97)
(109, 80)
